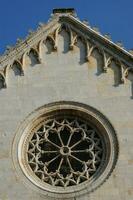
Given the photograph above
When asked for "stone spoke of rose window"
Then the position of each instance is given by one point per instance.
(63, 152)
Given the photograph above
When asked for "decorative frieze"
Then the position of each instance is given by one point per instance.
(16, 57)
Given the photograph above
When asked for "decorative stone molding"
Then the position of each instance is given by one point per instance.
(126, 73)
(84, 174)
(17, 64)
(92, 40)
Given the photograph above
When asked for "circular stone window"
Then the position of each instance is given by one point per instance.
(67, 149)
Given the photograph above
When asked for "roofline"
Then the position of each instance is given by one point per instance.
(119, 49)
(19, 48)
(102, 36)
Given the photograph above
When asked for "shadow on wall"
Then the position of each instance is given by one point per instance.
(17, 69)
(96, 54)
(2, 82)
(116, 73)
(96, 61)
(66, 40)
(80, 45)
(49, 45)
(33, 58)
(82, 50)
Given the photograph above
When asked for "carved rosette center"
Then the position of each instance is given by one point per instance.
(65, 151)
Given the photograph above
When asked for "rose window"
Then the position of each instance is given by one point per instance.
(65, 152)
(66, 149)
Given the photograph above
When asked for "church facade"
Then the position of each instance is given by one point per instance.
(66, 100)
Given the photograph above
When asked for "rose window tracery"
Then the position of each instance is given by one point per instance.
(65, 151)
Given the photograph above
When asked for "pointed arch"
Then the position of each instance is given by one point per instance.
(68, 29)
(115, 65)
(96, 54)
(72, 35)
(65, 37)
(51, 38)
(17, 68)
(63, 26)
(31, 57)
(51, 43)
(93, 48)
(35, 51)
(80, 42)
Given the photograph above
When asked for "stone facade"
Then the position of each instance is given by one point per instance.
(65, 60)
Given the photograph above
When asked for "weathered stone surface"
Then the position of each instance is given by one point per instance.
(65, 75)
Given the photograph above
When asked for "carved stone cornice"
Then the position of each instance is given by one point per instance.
(98, 39)
(17, 51)
(91, 38)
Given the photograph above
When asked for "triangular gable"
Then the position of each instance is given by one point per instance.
(65, 18)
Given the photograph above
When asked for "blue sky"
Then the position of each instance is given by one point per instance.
(111, 16)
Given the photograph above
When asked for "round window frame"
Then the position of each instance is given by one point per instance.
(96, 118)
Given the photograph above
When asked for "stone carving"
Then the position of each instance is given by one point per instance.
(65, 152)
(126, 73)
(17, 68)
(52, 35)
(66, 148)
(33, 55)
(52, 39)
